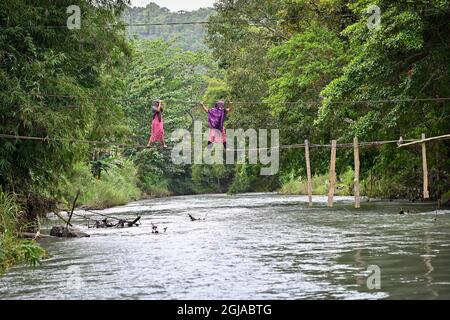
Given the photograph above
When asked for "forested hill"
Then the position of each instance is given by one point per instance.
(187, 37)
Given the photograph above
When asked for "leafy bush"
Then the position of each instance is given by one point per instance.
(12, 249)
(294, 186)
(345, 183)
(153, 185)
(242, 180)
(153, 172)
(9, 211)
(298, 186)
(116, 187)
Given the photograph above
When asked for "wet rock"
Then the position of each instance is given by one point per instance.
(63, 232)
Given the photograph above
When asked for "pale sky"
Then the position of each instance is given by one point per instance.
(176, 5)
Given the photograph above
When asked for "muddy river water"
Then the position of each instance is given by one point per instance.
(251, 246)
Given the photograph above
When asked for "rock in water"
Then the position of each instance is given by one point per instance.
(63, 232)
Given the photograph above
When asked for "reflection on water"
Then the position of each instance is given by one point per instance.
(258, 246)
(427, 258)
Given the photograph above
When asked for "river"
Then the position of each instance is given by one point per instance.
(251, 246)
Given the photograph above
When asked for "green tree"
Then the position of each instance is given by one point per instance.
(314, 63)
(41, 60)
(185, 36)
(180, 78)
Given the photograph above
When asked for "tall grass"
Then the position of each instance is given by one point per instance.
(298, 186)
(153, 185)
(12, 249)
(116, 187)
(9, 212)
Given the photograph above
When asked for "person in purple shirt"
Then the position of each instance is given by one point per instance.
(216, 119)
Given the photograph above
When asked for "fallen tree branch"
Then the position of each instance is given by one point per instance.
(73, 208)
(32, 236)
(62, 218)
(134, 222)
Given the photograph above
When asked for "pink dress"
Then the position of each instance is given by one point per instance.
(215, 136)
(157, 133)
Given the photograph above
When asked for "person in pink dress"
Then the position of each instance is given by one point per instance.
(157, 133)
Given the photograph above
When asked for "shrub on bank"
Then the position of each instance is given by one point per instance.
(153, 185)
(298, 186)
(153, 172)
(117, 186)
(13, 249)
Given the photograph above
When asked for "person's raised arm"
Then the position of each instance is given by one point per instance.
(229, 107)
(160, 105)
(204, 107)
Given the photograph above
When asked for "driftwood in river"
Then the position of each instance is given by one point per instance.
(73, 208)
(34, 236)
(62, 219)
(196, 219)
(67, 232)
(103, 224)
(120, 224)
(134, 222)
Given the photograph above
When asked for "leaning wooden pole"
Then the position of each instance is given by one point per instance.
(443, 137)
(426, 193)
(357, 169)
(73, 208)
(332, 185)
(62, 219)
(308, 173)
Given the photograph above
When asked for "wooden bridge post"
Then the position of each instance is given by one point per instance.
(426, 193)
(332, 180)
(357, 169)
(308, 173)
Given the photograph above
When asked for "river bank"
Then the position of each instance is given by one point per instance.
(373, 189)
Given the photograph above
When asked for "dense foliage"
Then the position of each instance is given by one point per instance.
(58, 83)
(37, 63)
(156, 23)
(180, 78)
(12, 249)
(315, 62)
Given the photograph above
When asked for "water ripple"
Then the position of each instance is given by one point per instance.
(255, 246)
